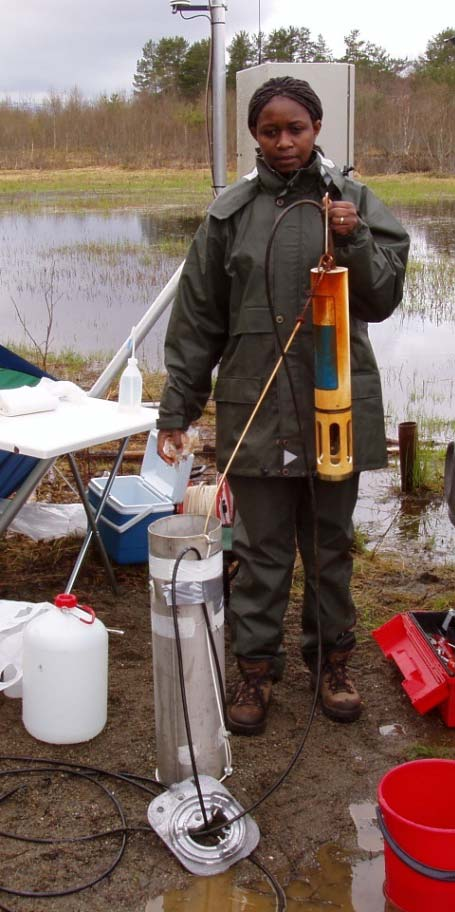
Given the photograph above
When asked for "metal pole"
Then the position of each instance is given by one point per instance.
(165, 297)
(259, 34)
(218, 22)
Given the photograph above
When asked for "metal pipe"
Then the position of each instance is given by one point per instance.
(218, 30)
(165, 297)
(407, 443)
(218, 25)
(197, 582)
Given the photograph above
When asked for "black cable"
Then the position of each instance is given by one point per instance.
(211, 828)
(329, 259)
(199, 16)
(74, 769)
(281, 901)
(130, 778)
(269, 297)
(178, 644)
(77, 888)
(278, 782)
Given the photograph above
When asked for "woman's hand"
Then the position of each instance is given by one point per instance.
(343, 218)
(169, 444)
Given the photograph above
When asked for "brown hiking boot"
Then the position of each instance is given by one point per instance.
(248, 709)
(340, 700)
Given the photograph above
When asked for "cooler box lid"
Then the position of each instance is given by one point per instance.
(169, 481)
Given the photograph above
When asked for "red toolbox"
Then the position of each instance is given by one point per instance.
(422, 644)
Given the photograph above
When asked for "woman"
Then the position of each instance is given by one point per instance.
(221, 317)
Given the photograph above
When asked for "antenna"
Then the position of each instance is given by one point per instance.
(259, 34)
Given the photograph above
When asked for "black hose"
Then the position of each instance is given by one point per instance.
(76, 888)
(178, 644)
(281, 902)
(50, 765)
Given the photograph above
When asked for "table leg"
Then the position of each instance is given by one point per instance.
(92, 519)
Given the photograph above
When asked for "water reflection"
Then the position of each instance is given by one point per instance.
(415, 527)
(431, 228)
(102, 272)
(99, 273)
(334, 881)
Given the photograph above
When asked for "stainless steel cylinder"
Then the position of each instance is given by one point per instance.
(197, 582)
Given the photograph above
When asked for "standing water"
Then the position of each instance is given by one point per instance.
(97, 274)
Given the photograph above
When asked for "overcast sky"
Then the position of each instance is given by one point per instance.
(54, 45)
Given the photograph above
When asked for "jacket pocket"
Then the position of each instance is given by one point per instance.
(252, 320)
(366, 386)
(238, 390)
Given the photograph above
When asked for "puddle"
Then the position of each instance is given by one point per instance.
(415, 528)
(334, 881)
(368, 836)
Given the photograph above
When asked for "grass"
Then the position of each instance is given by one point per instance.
(429, 751)
(411, 189)
(107, 188)
(429, 468)
(70, 365)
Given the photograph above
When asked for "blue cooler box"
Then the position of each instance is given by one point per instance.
(135, 501)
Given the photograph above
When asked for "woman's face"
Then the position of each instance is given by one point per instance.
(285, 134)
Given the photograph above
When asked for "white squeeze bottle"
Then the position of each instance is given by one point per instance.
(130, 388)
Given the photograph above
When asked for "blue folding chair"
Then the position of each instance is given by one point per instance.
(21, 474)
(14, 372)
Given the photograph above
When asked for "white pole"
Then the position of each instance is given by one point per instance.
(165, 297)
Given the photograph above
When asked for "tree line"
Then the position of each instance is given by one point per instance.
(404, 118)
(172, 64)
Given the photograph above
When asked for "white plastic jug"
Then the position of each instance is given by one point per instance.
(65, 674)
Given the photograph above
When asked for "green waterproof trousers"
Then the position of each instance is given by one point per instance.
(274, 517)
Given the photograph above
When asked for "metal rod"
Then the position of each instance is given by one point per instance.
(92, 520)
(165, 297)
(218, 23)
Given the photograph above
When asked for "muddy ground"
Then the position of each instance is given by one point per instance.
(340, 764)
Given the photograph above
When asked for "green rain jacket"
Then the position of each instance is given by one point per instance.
(221, 317)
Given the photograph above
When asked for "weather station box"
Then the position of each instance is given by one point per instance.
(422, 645)
(334, 83)
(135, 501)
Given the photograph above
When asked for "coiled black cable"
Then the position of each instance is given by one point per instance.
(49, 765)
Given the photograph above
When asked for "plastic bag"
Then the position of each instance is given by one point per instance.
(14, 616)
(45, 521)
(190, 440)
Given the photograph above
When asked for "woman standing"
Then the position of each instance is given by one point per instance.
(221, 317)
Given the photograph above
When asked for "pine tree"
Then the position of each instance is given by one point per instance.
(159, 68)
(242, 55)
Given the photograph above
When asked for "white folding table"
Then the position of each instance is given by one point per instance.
(70, 427)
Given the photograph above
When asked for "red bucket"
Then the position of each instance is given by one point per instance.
(417, 817)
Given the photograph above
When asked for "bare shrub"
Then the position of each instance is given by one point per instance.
(401, 124)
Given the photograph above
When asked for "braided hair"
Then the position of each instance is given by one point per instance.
(297, 89)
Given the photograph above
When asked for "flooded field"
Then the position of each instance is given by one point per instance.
(98, 273)
(94, 275)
